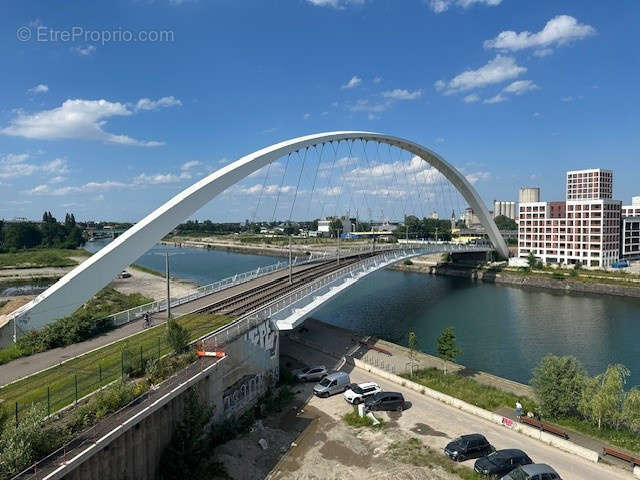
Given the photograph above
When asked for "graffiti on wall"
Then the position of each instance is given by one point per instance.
(264, 336)
(246, 389)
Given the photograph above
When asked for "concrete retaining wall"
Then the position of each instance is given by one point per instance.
(547, 438)
(132, 449)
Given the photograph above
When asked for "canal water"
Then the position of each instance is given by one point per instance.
(502, 330)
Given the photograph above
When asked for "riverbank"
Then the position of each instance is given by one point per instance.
(592, 284)
(279, 248)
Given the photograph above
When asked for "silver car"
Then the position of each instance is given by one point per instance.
(333, 383)
(535, 471)
(311, 374)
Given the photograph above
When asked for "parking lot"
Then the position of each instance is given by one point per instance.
(331, 449)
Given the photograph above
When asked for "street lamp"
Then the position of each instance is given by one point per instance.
(166, 270)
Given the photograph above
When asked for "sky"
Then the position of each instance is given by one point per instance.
(109, 109)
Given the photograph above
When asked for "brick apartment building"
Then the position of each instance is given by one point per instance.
(584, 228)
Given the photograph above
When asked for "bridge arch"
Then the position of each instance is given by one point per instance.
(77, 286)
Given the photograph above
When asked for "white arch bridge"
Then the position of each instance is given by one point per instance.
(77, 286)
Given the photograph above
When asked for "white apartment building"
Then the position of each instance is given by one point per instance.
(585, 228)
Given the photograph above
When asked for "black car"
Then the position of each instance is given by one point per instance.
(385, 401)
(468, 446)
(501, 462)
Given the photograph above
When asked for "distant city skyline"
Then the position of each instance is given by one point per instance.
(148, 97)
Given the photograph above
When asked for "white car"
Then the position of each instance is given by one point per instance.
(356, 394)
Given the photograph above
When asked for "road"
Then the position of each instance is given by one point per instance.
(443, 418)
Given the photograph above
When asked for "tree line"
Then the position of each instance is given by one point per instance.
(47, 234)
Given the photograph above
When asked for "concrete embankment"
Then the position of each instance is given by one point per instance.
(567, 285)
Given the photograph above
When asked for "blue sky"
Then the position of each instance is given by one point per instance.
(512, 92)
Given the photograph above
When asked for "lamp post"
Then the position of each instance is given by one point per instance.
(290, 264)
(166, 265)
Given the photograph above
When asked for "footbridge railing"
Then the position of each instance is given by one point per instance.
(134, 313)
(385, 257)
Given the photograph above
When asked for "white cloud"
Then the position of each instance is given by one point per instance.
(190, 165)
(164, 102)
(471, 98)
(366, 106)
(439, 6)
(74, 119)
(402, 94)
(520, 86)
(560, 30)
(439, 140)
(40, 88)
(499, 98)
(377, 79)
(498, 70)
(543, 52)
(306, 116)
(90, 187)
(16, 165)
(354, 82)
(58, 179)
(160, 178)
(267, 190)
(339, 4)
(85, 51)
(475, 177)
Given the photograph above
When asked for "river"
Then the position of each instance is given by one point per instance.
(500, 329)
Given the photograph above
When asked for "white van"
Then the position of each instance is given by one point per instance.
(331, 384)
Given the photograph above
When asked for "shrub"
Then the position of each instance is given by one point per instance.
(355, 420)
(408, 262)
(177, 336)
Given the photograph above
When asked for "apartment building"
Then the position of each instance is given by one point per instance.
(630, 235)
(584, 228)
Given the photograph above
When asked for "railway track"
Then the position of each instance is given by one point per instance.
(249, 300)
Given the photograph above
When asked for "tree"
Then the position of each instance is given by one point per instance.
(335, 227)
(447, 349)
(505, 223)
(558, 383)
(532, 260)
(631, 409)
(603, 395)
(22, 235)
(412, 343)
(177, 336)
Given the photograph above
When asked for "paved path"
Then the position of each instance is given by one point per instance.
(22, 367)
(445, 422)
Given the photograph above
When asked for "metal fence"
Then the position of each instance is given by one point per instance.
(131, 314)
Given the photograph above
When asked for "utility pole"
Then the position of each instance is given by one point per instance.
(166, 264)
(290, 264)
(436, 234)
(339, 231)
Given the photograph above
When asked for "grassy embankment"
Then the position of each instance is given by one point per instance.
(491, 398)
(41, 257)
(81, 325)
(102, 366)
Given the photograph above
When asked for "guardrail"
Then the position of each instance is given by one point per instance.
(134, 313)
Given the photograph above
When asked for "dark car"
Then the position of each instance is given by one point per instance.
(501, 462)
(468, 446)
(385, 401)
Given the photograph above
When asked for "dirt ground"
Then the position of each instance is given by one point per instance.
(309, 440)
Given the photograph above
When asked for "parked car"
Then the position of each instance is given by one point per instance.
(331, 384)
(468, 446)
(124, 274)
(311, 374)
(535, 471)
(385, 401)
(356, 393)
(501, 462)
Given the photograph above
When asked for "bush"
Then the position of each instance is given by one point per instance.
(352, 418)
(177, 336)
(408, 262)
(558, 383)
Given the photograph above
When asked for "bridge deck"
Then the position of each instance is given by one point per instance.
(22, 367)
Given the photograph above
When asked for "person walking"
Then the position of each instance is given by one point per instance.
(147, 320)
(518, 409)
